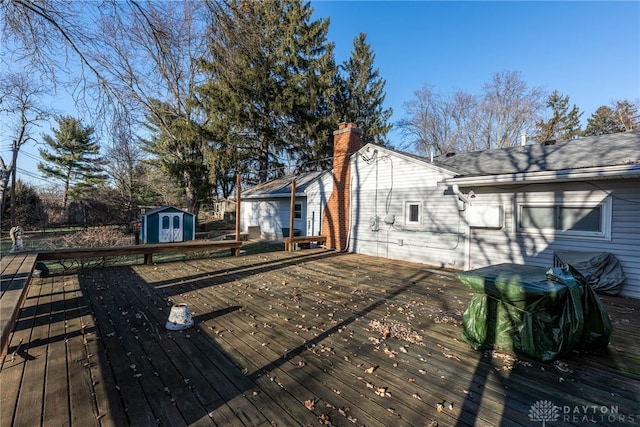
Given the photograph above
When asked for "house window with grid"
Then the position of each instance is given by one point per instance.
(297, 211)
(413, 213)
(575, 219)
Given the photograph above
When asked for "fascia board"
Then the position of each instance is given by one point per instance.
(599, 173)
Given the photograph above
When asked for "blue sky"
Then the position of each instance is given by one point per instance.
(589, 51)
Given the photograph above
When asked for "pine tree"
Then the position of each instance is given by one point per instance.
(361, 97)
(563, 124)
(602, 122)
(74, 157)
(269, 76)
(176, 147)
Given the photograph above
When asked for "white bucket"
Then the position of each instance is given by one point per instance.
(179, 318)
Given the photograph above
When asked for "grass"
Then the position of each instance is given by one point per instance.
(110, 236)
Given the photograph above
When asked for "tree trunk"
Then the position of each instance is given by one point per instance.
(14, 162)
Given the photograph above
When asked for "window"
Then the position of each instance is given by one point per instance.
(413, 213)
(588, 220)
(297, 211)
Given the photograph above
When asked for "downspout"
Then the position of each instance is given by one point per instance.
(346, 247)
(460, 194)
(461, 207)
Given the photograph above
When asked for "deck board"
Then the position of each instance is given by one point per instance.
(275, 331)
(14, 280)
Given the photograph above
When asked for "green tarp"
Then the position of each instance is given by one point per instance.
(539, 312)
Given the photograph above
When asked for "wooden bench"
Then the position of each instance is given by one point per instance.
(290, 242)
(16, 271)
(147, 250)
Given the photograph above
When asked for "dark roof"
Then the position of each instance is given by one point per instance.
(282, 186)
(164, 208)
(595, 151)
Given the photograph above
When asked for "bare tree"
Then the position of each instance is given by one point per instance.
(125, 168)
(148, 56)
(465, 113)
(21, 111)
(429, 125)
(134, 58)
(440, 123)
(509, 108)
(56, 36)
(626, 114)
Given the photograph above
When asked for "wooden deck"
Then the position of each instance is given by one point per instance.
(15, 271)
(291, 339)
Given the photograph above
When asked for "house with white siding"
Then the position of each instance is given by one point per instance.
(268, 205)
(516, 205)
(526, 203)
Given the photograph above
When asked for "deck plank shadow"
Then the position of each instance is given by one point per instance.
(302, 338)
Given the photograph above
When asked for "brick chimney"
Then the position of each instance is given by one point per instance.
(335, 222)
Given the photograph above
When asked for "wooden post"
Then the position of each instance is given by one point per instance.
(291, 213)
(238, 195)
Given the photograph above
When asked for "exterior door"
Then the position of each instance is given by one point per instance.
(170, 227)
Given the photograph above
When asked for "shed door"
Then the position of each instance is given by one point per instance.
(170, 227)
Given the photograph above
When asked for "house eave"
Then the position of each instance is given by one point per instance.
(272, 196)
(567, 175)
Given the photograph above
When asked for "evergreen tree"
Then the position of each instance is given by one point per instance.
(269, 76)
(602, 122)
(176, 147)
(563, 124)
(73, 158)
(28, 207)
(361, 97)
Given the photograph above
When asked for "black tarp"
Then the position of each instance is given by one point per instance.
(601, 270)
(539, 312)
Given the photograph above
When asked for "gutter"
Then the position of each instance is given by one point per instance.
(565, 175)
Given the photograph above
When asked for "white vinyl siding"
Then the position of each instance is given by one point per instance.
(388, 190)
(620, 201)
(317, 196)
(271, 215)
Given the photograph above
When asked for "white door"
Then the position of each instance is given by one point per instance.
(170, 227)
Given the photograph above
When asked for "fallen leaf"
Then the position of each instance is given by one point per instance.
(386, 332)
(382, 392)
(370, 370)
(310, 404)
(389, 353)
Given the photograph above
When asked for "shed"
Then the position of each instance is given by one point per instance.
(167, 224)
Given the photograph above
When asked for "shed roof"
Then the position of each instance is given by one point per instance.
(164, 208)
